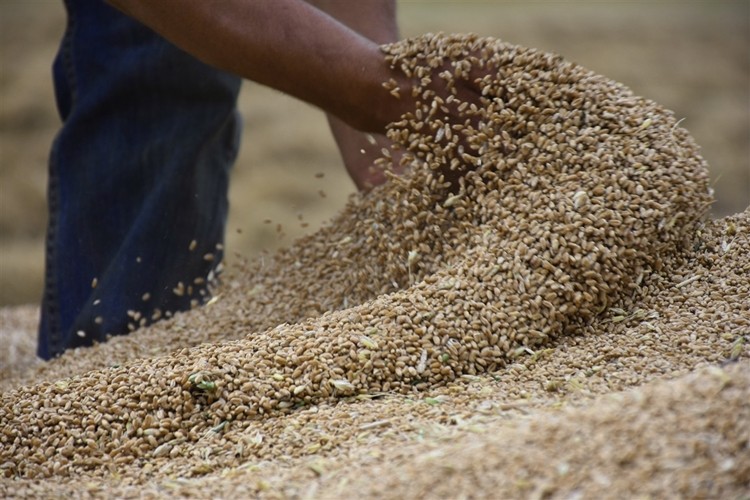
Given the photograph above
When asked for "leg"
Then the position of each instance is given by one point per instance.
(138, 172)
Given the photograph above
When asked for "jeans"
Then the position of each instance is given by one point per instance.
(138, 179)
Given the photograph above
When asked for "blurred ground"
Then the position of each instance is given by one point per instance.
(693, 57)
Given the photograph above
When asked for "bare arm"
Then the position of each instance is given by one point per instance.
(285, 44)
(297, 48)
(376, 20)
(373, 19)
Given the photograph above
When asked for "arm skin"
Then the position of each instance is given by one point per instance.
(288, 45)
(376, 20)
(296, 47)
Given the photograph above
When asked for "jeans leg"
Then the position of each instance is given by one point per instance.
(138, 179)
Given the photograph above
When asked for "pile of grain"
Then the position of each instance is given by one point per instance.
(559, 262)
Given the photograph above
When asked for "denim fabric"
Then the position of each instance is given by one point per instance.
(138, 171)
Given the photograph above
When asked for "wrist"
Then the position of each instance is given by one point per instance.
(380, 94)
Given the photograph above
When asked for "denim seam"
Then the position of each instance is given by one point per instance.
(68, 54)
(51, 289)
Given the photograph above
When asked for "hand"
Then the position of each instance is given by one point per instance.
(366, 156)
(443, 109)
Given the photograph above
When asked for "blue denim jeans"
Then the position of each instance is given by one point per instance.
(138, 179)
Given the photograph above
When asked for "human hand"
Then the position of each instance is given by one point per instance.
(366, 156)
(436, 113)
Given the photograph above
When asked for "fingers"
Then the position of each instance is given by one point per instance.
(444, 123)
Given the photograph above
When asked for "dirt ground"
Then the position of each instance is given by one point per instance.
(692, 57)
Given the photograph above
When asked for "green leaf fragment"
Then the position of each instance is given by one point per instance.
(436, 400)
(368, 342)
(737, 347)
(219, 427)
(206, 385)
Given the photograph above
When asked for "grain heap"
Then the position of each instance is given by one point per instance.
(501, 432)
(572, 192)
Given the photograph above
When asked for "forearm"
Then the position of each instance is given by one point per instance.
(376, 20)
(285, 44)
(373, 19)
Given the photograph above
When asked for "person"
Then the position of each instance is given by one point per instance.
(138, 174)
